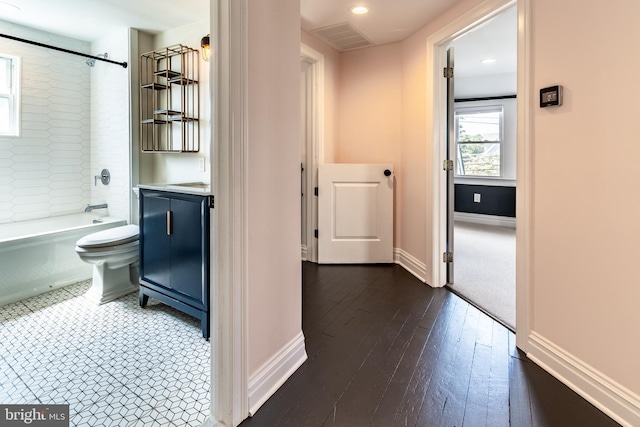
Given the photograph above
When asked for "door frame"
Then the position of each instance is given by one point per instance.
(229, 220)
(314, 144)
(450, 157)
(436, 149)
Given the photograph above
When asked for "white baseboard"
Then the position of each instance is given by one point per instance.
(500, 221)
(304, 252)
(618, 402)
(410, 263)
(275, 372)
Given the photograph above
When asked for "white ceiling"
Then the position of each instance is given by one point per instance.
(388, 21)
(496, 39)
(91, 19)
(392, 21)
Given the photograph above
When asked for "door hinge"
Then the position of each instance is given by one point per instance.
(448, 72)
(447, 257)
(315, 233)
(447, 165)
(315, 191)
(211, 202)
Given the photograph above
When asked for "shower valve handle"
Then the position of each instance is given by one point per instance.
(104, 177)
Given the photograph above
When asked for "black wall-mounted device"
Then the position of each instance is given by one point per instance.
(550, 96)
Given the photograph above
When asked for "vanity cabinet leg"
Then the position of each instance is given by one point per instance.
(143, 299)
(204, 318)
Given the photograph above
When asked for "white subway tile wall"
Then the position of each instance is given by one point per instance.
(110, 119)
(69, 131)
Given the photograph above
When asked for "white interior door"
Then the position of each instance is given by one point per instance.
(304, 169)
(355, 213)
(311, 89)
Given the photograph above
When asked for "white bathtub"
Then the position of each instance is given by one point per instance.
(39, 255)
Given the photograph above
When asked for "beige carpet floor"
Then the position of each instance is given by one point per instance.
(485, 268)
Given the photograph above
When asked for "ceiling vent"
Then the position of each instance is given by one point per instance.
(342, 36)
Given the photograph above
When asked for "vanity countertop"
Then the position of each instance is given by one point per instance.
(198, 188)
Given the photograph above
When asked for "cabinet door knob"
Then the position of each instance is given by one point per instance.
(168, 223)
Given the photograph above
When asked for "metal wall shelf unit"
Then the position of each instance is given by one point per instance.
(169, 101)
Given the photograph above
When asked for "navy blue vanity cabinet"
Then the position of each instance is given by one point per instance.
(174, 252)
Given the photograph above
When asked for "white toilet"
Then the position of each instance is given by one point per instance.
(112, 252)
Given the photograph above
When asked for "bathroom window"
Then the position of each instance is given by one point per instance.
(9, 95)
(479, 141)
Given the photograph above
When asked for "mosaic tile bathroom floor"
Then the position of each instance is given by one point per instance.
(115, 364)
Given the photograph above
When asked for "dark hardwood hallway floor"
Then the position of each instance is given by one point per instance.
(387, 350)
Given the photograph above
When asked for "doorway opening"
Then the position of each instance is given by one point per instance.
(311, 137)
(482, 133)
(437, 106)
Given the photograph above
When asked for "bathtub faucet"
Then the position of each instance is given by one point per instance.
(89, 208)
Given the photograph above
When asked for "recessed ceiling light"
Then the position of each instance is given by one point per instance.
(8, 7)
(359, 10)
(488, 61)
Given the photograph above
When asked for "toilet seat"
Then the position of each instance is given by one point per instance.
(111, 237)
(108, 250)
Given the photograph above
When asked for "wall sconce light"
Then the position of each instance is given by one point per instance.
(206, 47)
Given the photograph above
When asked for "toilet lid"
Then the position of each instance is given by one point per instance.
(110, 237)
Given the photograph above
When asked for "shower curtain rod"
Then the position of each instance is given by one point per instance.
(122, 64)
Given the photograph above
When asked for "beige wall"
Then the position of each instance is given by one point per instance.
(274, 276)
(586, 236)
(416, 175)
(370, 103)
